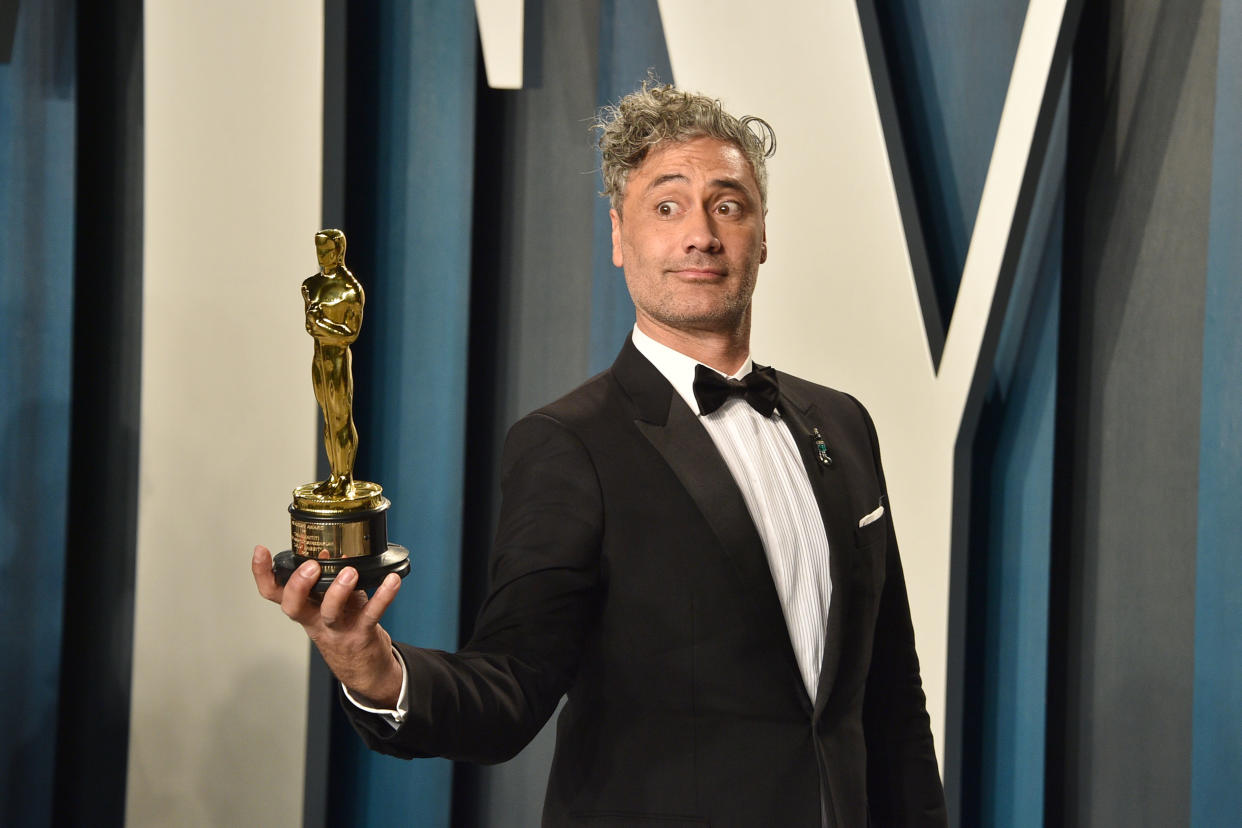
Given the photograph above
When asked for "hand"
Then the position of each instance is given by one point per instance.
(344, 625)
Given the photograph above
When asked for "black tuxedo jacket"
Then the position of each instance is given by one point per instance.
(628, 574)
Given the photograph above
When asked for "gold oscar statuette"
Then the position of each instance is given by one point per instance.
(339, 521)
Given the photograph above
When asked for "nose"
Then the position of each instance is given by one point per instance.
(700, 228)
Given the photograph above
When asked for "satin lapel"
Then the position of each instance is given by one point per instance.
(676, 433)
(830, 485)
(693, 457)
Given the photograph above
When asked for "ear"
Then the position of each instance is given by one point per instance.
(616, 237)
(763, 246)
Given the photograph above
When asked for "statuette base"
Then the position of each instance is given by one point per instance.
(339, 533)
(372, 569)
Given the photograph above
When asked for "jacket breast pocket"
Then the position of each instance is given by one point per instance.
(866, 559)
(873, 532)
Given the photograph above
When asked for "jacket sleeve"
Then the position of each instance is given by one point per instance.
(903, 779)
(487, 701)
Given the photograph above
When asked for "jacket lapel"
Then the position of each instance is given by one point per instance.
(665, 420)
(830, 485)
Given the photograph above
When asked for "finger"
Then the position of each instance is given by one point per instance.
(335, 599)
(375, 608)
(295, 602)
(264, 578)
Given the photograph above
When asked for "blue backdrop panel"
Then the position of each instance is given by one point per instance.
(1019, 523)
(37, 123)
(413, 432)
(949, 63)
(1015, 505)
(1012, 766)
(1216, 758)
(631, 42)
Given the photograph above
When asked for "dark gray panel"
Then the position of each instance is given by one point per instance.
(545, 289)
(1139, 254)
(92, 733)
(8, 28)
(533, 245)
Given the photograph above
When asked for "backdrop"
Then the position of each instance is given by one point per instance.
(1030, 208)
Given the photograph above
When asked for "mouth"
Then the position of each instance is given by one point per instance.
(698, 274)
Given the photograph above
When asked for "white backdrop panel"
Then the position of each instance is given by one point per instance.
(233, 154)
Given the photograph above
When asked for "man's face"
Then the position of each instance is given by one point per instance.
(691, 237)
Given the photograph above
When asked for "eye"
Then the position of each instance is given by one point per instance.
(728, 208)
(667, 208)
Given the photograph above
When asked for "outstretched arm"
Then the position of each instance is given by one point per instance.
(486, 702)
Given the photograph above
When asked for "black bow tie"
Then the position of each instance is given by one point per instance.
(758, 387)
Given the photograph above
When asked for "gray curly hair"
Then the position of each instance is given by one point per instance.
(657, 112)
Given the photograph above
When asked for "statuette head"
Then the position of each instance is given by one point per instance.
(330, 248)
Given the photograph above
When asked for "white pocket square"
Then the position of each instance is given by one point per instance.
(872, 517)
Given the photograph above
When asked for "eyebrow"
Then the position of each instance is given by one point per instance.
(665, 179)
(718, 183)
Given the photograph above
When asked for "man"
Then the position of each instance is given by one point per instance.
(705, 566)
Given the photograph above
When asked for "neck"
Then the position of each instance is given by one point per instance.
(725, 351)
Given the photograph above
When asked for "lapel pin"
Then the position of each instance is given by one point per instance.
(821, 447)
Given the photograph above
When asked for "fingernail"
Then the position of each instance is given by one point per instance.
(348, 576)
(256, 556)
(310, 569)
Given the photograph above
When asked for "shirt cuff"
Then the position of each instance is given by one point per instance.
(395, 716)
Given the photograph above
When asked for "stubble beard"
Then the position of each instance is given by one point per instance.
(726, 312)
